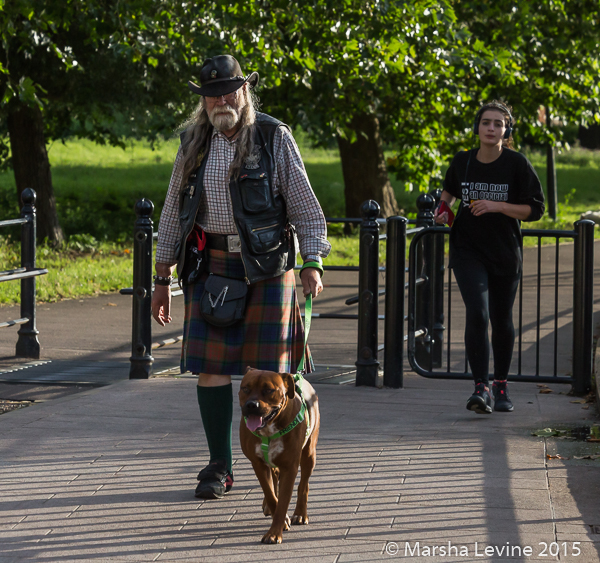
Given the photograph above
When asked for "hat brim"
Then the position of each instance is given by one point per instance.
(223, 87)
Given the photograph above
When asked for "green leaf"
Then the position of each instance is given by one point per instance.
(478, 45)
(545, 433)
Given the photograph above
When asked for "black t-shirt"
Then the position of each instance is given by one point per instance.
(492, 238)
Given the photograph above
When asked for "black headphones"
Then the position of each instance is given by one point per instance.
(497, 106)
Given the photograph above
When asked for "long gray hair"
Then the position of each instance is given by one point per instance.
(199, 131)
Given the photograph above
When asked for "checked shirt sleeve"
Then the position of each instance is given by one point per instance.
(304, 210)
(169, 230)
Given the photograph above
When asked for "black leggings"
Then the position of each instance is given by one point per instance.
(487, 297)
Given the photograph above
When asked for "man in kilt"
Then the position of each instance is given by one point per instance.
(239, 176)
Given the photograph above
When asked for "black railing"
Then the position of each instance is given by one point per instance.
(367, 366)
(424, 354)
(395, 278)
(583, 306)
(427, 295)
(427, 334)
(28, 345)
(141, 326)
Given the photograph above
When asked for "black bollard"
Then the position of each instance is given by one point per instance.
(367, 366)
(437, 292)
(583, 306)
(395, 281)
(28, 345)
(423, 304)
(141, 340)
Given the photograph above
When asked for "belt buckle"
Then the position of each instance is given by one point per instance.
(233, 243)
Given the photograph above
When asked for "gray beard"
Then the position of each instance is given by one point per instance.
(224, 121)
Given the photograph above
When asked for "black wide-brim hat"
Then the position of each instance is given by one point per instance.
(220, 76)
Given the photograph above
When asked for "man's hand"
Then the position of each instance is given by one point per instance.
(311, 281)
(161, 304)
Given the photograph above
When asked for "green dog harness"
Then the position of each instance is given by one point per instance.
(266, 440)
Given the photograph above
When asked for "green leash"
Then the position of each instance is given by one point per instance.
(265, 440)
(307, 320)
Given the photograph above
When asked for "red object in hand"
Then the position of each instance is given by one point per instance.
(445, 208)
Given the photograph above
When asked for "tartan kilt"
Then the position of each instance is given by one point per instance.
(269, 337)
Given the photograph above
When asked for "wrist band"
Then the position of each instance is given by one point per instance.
(160, 280)
(314, 265)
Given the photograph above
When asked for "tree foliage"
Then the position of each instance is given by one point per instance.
(82, 68)
(88, 66)
(413, 71)
(547, 55)
(323, 63)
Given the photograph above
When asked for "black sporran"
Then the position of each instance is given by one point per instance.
(223, 302)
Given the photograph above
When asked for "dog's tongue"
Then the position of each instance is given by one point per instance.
(253, 422)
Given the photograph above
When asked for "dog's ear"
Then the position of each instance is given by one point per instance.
(288, 379)
(248, 368)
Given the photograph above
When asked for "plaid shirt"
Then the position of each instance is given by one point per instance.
(215, 214)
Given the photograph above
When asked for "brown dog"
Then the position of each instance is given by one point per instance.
(270, 405)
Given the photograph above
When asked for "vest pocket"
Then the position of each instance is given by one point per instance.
(265, 238)
(254, 190)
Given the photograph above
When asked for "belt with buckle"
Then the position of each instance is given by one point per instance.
(226, 243)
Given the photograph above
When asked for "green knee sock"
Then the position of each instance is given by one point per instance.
(216, 409)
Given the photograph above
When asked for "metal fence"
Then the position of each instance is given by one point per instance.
(422, 350)
(141, 341)
(28, 345)
(425, 302)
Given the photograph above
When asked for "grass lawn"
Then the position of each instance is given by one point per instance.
(79, 269)
(96, 189)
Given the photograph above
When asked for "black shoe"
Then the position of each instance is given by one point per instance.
(215, 481)
(480, 401)
(502, 402)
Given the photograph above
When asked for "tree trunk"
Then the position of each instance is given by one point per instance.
(32, 168)
(589, 137)
(364, 169)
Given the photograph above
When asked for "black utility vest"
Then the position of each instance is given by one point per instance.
(267, 238)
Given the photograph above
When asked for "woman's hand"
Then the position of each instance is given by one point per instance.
(447, 215)
(481, 206)
(519, 211)
(441, 218)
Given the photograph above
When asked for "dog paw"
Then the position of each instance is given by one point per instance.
(299, 519)
(272, 537)
(266, 509)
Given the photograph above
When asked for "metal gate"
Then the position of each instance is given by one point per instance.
(432, 305)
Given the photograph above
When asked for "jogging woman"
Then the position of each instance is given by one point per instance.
(498, 188)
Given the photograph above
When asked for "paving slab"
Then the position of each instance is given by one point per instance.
(101, 468)
(108, 474)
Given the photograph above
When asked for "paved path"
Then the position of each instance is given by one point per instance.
(107, 473)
